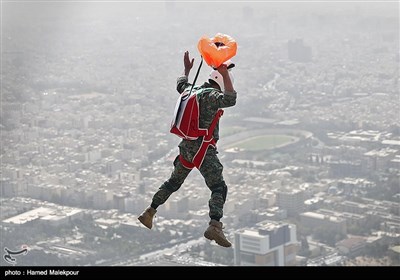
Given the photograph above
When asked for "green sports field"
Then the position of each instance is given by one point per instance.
(263, 142)
(230, 130)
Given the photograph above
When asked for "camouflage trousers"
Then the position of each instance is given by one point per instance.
(211, 170)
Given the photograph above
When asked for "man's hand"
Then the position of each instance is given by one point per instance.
(223, 70)
(187, 63)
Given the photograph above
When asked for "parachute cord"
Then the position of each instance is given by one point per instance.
(197, 74)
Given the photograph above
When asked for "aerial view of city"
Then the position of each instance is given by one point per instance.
(310, 151)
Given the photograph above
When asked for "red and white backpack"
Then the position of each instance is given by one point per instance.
(185, 122)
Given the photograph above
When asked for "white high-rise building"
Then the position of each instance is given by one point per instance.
(291, 200)
(270, 243)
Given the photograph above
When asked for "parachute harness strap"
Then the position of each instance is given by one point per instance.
(207, 141)
(197, 74)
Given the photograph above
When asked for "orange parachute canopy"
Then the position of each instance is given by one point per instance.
(217, 50)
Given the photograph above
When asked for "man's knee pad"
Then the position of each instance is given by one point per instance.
(220, 188)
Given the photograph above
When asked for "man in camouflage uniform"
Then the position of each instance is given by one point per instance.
(217, 93)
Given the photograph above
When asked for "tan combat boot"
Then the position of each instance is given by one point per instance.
(146, 218)
(214, 232)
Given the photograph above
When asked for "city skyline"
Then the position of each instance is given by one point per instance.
(87, 96)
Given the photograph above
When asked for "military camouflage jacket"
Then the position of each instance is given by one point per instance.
(210, 100)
